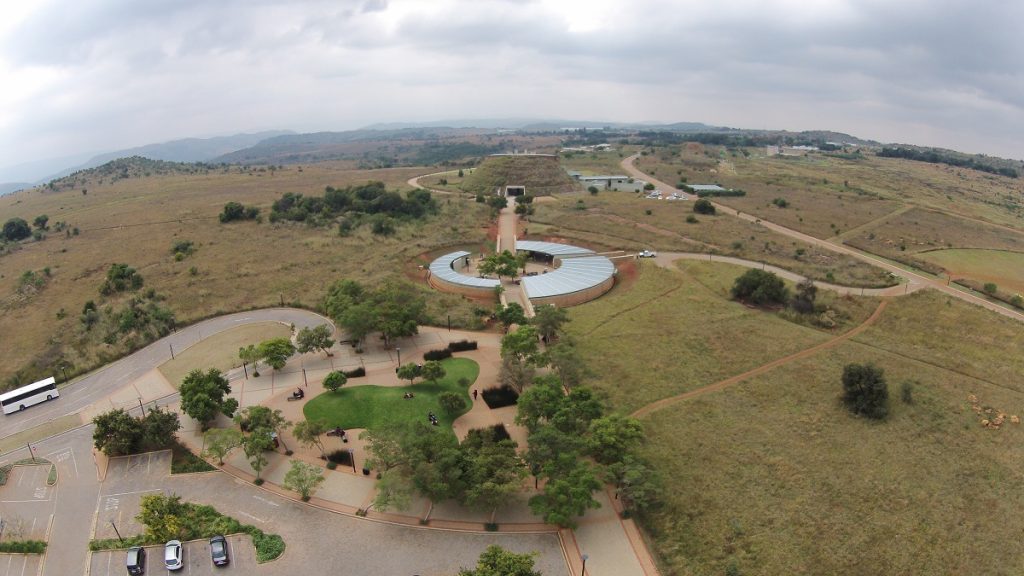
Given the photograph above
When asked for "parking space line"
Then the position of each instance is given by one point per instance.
(21, 501)
(247, 515)
(135, 492)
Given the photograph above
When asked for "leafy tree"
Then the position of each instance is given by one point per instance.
(539, 403)
(303, 478)
(434, 462)
(546, 444)
(803, 301)
(235, 211)
(549, 320)
(276, 352)
(760, 288)
(250, 354)
(503, 264)
(40, 221)
(335, 380)
(990, 288)
(254, 445)
(254, 418)
(516, 373)
(408, 372)
(384, 445)
(566, 361)
(117, 433)
(204, 395)
(309, 433)
(165, 517)
(394, 491)
(219, 442)
(611, 437)
(16, 229)
(312, 339)
(865, 390)
(567, 497)
(159, 428)
(577, 410)
(452, 402)
(637, 485)
(400, 307)
(120, 278)
(496, 561)
(704, 206)
(432, 371)
(358, 320)
(494, 471)
(522, 344)
(511, 314)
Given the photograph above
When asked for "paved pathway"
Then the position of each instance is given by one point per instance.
(912, 277)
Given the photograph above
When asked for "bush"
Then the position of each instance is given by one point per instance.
(332, 465)
(865, 391)
(23, 547)
(462, 345)
(760, 288)
(500, 397)
(691, 219)
(356, 373)
(907, 392)
(496, 432)
(437, 354)
(451, 402)
(704, 206)
(339, 457)
(16, 229)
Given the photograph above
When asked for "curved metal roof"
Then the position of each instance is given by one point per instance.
(551, 248)
(442, 268)
(574, 275)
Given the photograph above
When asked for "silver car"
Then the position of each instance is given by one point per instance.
(172, 555)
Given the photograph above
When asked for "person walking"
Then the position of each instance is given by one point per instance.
(474, 394)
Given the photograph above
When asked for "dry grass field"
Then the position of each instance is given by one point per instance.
(620, 219)
(1003, 268)
(773, 475)
(220, 351)
(235, 266)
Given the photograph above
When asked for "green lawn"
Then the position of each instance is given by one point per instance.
(375, 406)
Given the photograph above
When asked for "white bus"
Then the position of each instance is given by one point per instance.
(30, 395)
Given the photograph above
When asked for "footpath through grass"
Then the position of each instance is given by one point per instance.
(376, 406)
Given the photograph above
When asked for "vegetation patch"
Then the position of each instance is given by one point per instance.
(1004, 268)
(183, 461)
(23, 547)
(500, 397)
(378, 406)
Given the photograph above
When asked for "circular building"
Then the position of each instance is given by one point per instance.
(444, 276)
(581, 274)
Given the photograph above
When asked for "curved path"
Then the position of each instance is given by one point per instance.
(666, 259)
(659, 404)
(912, 277)
(112, 377)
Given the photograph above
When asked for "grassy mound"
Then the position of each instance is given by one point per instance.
(540, 174)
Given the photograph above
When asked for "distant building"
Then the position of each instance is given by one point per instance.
(706, 188)
(618, 183)
(771, 150)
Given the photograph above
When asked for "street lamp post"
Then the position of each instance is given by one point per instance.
(399, 350)
(584, 570)
(64, 369)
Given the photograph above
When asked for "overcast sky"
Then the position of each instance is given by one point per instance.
(92, 76)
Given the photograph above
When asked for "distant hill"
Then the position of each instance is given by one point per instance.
(8, 187)
(542, 175)
(184, 150)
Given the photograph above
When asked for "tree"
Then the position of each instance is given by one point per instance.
(990, 288)
(204, 394)
(637, 485)
(219, 442)
(394, 491)
(511, 314)
(496, 561)
(276, 352)
(611, 437)
(120, 278)
(803, 301)
(408, 372)
(522, 344)
(432, 371)
(760, 288)
(384, 445)
(254, 445)
(546, 444)
(566, 361)
(117, 433)
(40, 221)
(303, 478)
(358, 320)
(235, 211)
(312, 339)
(159, 428)
(549, 320)
(567, 497)
(250, 354)
(516, 373)
(400, 307)
(254, 418)
(494, 470)
(704, 206)
(334, 381)
(539, 403)
(16, 229)
(865, 390)
(503, 264)
(164, 517)
(309, 433)
(452, 402)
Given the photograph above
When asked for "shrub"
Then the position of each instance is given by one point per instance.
(500, 397)
(691, 219)
(440, 354)
(704, 206)
(355, 373)
(16, 229)
(339, 457)
(462, 345)
(23, 547)
(990, 288)
(331, 465)
(760, 288)
(781, 202)
(451, 402)
(907, 392)
(865, 391)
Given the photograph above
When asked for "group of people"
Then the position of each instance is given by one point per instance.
(432, 418)
(408, 395)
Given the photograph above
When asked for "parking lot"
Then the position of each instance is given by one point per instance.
(196, 559)
(27, 504)
(19, 564)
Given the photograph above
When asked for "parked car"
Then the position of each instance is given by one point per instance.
(136, 560)
(219, 551)
(647, 254)
(172, 555)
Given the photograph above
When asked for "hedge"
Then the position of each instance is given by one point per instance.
(437, 354)
(340, 457)
(356, 373)
(462, 345)
(23, 547)
(500, 397)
